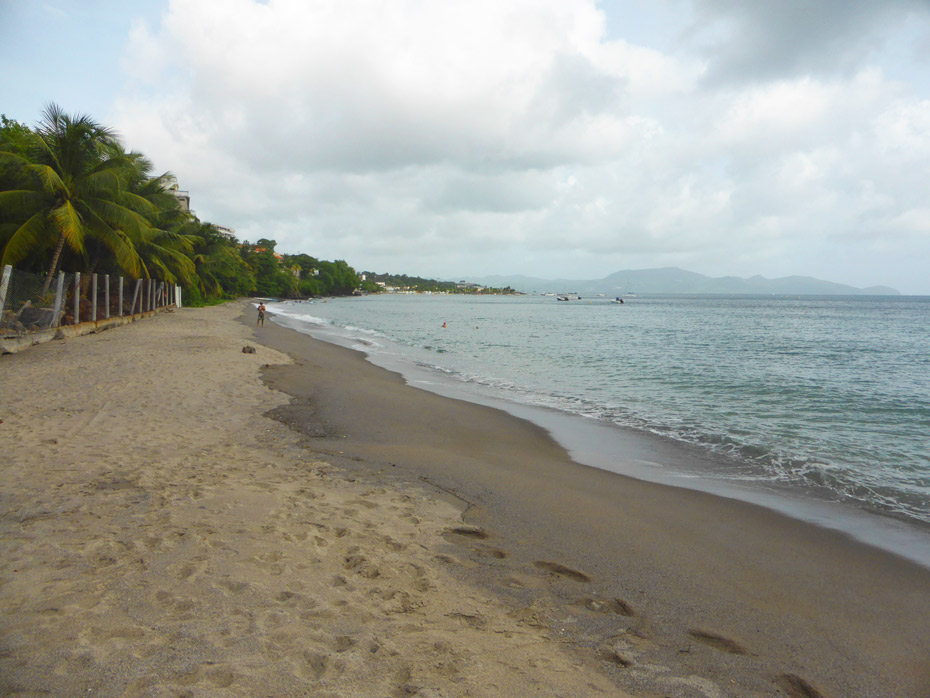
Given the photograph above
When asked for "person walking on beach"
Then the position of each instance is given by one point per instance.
(261, 315)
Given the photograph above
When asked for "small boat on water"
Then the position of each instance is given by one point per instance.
(618, 299)
(568, 297)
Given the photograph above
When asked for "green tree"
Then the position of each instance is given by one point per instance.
(221, 270)
(68, 190)
(339, 278)
(14, 136)
(166, 245)
(271, 277)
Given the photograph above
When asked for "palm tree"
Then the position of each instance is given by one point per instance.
(220, 268)
(165, 244)
(68, 191)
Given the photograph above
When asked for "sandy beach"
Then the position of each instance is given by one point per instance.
(180, 518)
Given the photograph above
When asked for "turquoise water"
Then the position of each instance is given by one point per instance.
(830, 396)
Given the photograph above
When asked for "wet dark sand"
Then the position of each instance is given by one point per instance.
(746, 598)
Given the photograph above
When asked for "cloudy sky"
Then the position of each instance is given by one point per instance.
(569, 138)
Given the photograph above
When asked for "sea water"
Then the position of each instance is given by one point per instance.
(829, 397)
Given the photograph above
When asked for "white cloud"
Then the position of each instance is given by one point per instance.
(443, 137)
(746, 41)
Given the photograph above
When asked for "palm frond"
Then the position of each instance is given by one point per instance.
(9, 158)
(139, 204)
(48, 178)
(114, 215)
(119, 244)
(21, 202)
(101, 182)
(68, 222)
(26, 238)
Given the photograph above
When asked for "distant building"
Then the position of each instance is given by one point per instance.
(225, 232)
(183, 196)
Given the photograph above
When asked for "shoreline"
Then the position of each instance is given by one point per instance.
(161, 537)
(749, 592)
(657, 459)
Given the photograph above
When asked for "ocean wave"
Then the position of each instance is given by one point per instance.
(749, 462)
(302, 317)
(800, 414)
(364, 330)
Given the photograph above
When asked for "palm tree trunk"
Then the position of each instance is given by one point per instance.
(54, 267)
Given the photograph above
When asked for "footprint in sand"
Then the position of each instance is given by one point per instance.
(394, 545)
(360, 564)
(312, 665)
(615, 605)
(343, 643)
(186, 571)
(562, 571)
(796, 687)
(469, 532)
(614, 657)
(221, 676)
(288, 597)
(488, 551)
(719, 642)
(476, 533)
(234, 587)
(470, 620)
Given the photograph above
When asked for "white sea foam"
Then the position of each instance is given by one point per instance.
(778, 389)
(285, 311)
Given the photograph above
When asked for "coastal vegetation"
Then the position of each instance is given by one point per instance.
(73, 199)
(417, 284)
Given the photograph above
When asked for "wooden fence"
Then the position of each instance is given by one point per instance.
(94, 301)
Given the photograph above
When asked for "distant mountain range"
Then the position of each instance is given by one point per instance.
(675, 280)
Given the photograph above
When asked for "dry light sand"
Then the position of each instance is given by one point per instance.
(163, 533)
(161, 537)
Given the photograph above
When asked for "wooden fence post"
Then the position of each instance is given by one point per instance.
(77, 297)
(59, 299)
(135, 295)
(4, 285)
(106, 295)
(121, 296)
(93, 298)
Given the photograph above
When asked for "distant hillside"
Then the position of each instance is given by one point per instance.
(675, 280)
